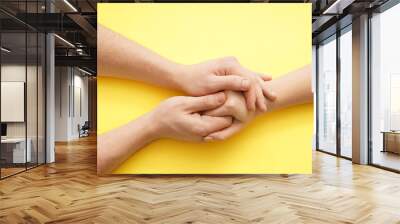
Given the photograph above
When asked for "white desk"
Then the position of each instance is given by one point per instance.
(19, 149)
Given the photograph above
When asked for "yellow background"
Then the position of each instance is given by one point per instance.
(268, 38)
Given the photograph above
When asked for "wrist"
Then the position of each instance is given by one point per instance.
(181, 77)
(151, 127)
(153, 124)
(177, 73)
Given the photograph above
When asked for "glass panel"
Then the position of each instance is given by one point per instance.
(346, 94)
(31, 100)
(31, 88)
(41, 98)
(327, 96)
(13, 90)
(23, 90)
(385, 86)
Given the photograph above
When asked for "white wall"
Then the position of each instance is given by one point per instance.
(33, 127)
(15, 72)
(70, 83)
(81, 82)
(62, 81)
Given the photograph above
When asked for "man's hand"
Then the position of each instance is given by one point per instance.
(130, 60)
(180, 117)
(225, 74)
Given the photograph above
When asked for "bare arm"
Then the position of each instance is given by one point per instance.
(116, 146)
(177, 118)
(291, 89)
(123, 58)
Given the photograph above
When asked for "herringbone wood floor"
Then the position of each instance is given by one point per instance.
(70, 192)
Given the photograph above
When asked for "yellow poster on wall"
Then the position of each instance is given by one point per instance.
(268, 38)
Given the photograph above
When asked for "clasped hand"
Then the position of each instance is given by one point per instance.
(225, 97)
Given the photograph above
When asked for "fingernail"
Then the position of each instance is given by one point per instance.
(245, 84)
(208, 139)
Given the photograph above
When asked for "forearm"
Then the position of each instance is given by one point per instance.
(291, 89)
(116, 146)
(123, 58)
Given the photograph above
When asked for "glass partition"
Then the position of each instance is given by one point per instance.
(22, 88)
(385, 89)
(41, 91)
(327, 95)
(346, 92)
(31, 99)
(13, 95)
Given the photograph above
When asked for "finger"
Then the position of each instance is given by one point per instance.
(269, 94)
(235, 106)
(213, 124)
(239, 112)
(229, 82)
(250, 96)
(218, 112)
(260, 99)
(266, 77)
(225, 133)
(266, 104)
(203, 103)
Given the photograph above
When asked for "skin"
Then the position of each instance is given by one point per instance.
(123, 58)
(183, 117)
(291, 89)
(178, 118)
(209, 118)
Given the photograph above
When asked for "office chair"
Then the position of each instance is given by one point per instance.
(84, 130)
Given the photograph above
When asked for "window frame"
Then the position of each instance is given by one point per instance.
(334, 37)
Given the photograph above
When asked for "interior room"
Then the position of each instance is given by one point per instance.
(385, 90)
(48, 157)
(22, 101)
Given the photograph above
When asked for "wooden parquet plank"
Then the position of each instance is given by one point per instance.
(69, 191)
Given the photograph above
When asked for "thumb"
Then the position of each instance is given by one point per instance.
(225, 133)
(230, 82)
(203, 103)
(265, 77)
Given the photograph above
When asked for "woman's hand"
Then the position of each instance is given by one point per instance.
(181, 118)
(225, 74)
(293, 88)
(234, 106)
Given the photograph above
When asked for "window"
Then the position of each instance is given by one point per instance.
(385, 89)
(346, 92)
(327, 95)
